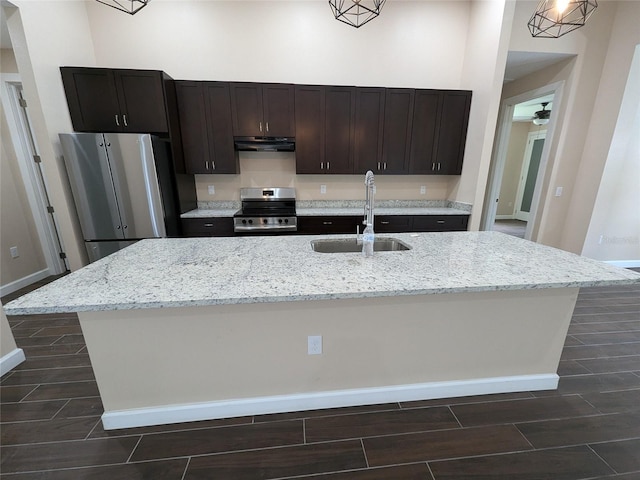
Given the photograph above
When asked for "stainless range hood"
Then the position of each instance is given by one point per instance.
(264, 144)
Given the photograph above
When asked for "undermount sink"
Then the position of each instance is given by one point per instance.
(349, 245)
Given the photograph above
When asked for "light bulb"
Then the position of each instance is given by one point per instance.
(561, 6)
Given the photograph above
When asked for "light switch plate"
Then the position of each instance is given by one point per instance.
(314, 344)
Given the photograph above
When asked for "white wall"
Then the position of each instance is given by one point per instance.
(593, 84)
(46, 35)
(614, 231)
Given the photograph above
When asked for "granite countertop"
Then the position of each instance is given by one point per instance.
(310, 208)
(181, 272)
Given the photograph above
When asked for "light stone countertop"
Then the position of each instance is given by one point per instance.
(186, 272)
(310, 208)
(334, 211)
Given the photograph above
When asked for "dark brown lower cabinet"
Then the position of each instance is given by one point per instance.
(440, 223)
(321, 225)
(329, 224)
(207, 227)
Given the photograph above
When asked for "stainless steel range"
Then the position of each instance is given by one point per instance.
(266, 210)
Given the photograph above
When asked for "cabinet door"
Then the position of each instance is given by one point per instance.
(141, 99)
(423, 132)
(279, 116)
(193, 126)
(452, 134)
(222, 155)
(92, 99)
(246, 101)
(369, 125)
(309, 101)
(398, 119)
(339, 129)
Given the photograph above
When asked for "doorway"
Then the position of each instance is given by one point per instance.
(529, 174)
(519, 162)
(33, 175)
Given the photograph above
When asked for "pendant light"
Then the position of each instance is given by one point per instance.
(356, 12)
(129, 6)
(555, 18)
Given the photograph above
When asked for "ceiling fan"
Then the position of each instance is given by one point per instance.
(541, 117)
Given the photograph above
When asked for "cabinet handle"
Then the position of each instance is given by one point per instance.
(321, 165)
(213, 164)
(384, 223)
(384, 165)
(267, 127)
(260, 126)
(328, 167)
(117, 122)
(440, 221)
(124, 119)
(208, 224)
(206, 165)
(378, 165)
(433, 167)
(438, 166)
(327, 223)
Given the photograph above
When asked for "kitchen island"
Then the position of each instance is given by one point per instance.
(200, 328)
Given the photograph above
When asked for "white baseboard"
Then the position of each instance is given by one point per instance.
(624, 263)
(11, 360)
(504, 217)
(23, 282)
(143, 417)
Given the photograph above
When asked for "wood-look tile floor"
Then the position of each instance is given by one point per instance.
(588, 429)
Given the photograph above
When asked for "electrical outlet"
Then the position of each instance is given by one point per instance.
(211, 189)
(314, 344)
(323, 189)
(423, 190)
(558, 191)
(14, 252)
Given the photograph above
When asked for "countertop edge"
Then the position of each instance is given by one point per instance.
(301, 298)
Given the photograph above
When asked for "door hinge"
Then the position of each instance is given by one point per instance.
(37, 159)
(50, 209)
(22, 102)
(63, 255)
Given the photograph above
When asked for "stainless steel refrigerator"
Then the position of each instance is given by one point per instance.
(123, 188)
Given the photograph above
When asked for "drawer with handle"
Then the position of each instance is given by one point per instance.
(207, 227)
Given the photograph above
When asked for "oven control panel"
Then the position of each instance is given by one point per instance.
(265, 224)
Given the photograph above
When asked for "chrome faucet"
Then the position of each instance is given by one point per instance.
(368, 203)
(367, 234)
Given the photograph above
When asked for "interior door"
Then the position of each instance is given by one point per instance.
(530, 167)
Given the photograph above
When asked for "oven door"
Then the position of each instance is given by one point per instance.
(265, 225)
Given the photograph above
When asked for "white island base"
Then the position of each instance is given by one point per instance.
(166, 365)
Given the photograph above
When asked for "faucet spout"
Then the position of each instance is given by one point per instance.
(368, 239)
(368, 205)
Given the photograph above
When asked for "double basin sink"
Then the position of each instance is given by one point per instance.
(350, 245)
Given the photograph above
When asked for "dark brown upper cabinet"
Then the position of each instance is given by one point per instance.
(116, 100)
(439, 131)
(325, 118)
(263, 109)
(369, 129)
(398, 120)
(452, 134)
(204, 110)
